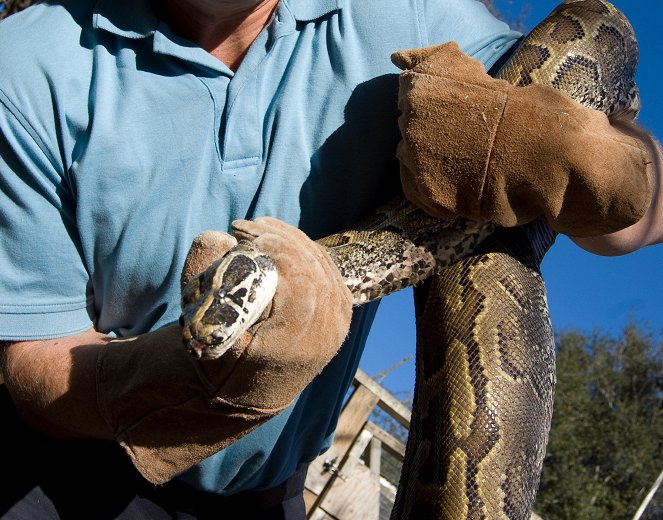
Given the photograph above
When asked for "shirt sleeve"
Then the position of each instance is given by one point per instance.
(43, 280)
(469, 23)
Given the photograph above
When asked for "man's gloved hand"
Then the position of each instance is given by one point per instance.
(170, 411)
(483, 149)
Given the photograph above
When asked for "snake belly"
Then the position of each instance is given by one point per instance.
(485, 348)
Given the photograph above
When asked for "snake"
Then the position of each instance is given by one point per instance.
(585, 48)
(485, 361)
(9, 7)
(485, 355)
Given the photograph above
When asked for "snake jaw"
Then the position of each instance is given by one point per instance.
(196, 349)
(209, 346)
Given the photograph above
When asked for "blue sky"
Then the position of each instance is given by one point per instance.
(585, 292)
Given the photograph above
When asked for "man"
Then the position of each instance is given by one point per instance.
(127, 128)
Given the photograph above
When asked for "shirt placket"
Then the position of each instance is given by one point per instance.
(240, 136)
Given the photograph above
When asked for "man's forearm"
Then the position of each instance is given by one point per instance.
(649, 229)
(52, 383)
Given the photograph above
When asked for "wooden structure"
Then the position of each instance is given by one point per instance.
(346, 481)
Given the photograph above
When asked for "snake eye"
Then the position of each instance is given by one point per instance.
(181, 321)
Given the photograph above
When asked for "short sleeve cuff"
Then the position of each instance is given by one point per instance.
(42, 322)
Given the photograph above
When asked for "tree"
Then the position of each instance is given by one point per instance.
(607, 434)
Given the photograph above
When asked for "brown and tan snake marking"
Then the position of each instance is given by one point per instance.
(10, 7)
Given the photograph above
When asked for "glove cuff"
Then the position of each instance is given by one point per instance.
(167, 420)
(485, 150)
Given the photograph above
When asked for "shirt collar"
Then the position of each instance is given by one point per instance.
(308, 10)
(128, 18)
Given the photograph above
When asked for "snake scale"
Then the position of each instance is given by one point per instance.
(485, 351)
(485, 371)
(9, 7)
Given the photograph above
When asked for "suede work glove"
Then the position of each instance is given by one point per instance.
(483, 149)
(170, 411)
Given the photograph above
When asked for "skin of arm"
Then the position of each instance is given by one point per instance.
(649, 229)
(52, 383)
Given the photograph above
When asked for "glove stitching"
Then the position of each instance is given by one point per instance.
(489, 158)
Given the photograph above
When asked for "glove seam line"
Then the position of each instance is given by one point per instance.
(489, 158)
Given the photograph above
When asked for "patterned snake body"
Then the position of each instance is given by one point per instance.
(485, 349)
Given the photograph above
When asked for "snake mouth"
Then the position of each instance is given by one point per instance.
(196, 348)
(202, 349)
(194, 345)
(199, 344)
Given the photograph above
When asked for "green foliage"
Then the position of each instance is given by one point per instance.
(607, 435)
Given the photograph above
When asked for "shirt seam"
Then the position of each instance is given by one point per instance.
(321, 12)
(98, 19)
(422, 32)
(20, 118)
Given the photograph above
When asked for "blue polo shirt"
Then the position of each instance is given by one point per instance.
(120, 141)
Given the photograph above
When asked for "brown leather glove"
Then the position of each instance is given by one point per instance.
(170, 411)
(483, 149)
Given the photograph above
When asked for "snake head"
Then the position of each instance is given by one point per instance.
(222, 302)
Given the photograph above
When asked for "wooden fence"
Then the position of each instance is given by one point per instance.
(346, 481)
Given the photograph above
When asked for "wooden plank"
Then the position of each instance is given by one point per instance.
(389, 442)
(353, 459)
(338, 485)
(354, 417)
(319, 472)
(352, 420)
(357, 498)
(375, 456)
(319, 514)
(388, 490)
(360, 445)
(309, 499)
(388, 402)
